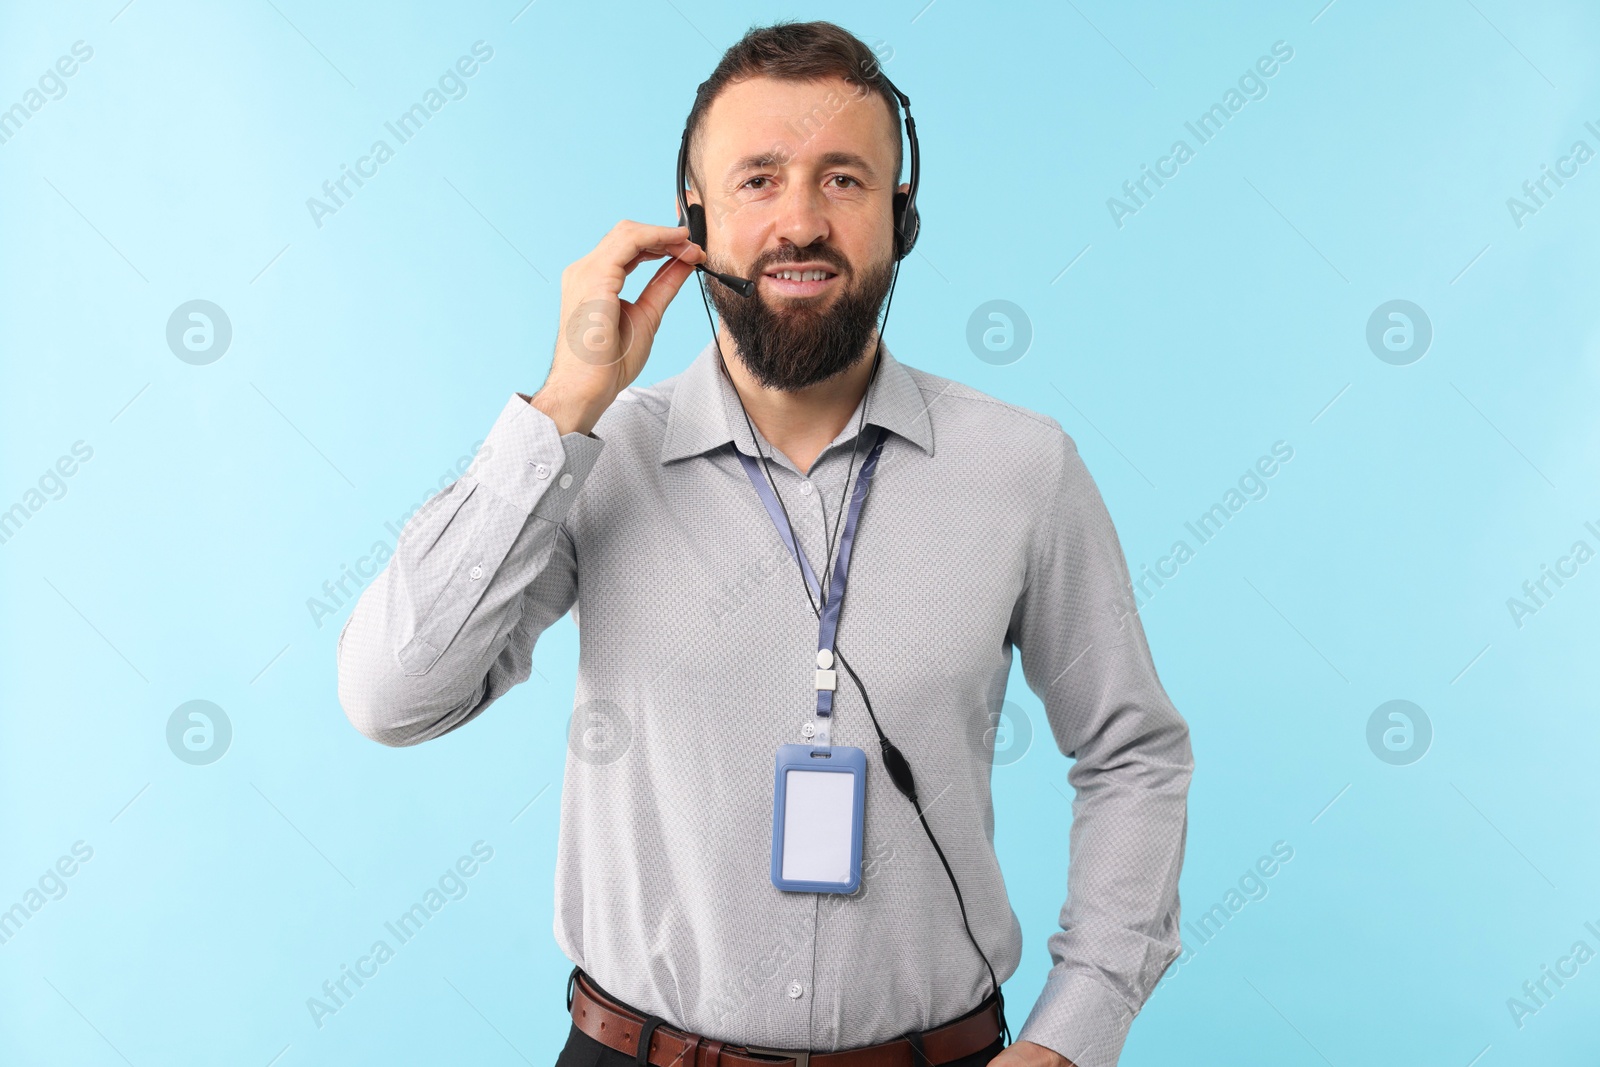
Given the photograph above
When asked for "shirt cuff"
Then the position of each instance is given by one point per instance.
(1079, 1018)
(530, 464)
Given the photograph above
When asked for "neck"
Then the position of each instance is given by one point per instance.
(802, 423)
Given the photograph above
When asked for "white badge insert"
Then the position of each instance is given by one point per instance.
(817, 818)
(816, 826)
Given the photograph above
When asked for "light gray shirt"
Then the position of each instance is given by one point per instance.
(983, 532)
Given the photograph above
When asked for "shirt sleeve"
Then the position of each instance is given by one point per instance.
(478, 573)
(1084, 654)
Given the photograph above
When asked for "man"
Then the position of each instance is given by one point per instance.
(632, 507)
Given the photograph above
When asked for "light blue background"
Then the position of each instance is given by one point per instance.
(370, 354)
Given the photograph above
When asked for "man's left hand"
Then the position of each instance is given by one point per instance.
(1027, 1054)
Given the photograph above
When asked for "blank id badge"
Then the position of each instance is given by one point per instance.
(819, 807)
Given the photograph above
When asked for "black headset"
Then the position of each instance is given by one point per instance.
(907, 222)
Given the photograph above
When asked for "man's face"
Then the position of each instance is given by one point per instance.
(799, 177)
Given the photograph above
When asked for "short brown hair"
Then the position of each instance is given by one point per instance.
(796, 51)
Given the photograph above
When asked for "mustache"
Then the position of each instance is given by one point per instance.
(790, 254)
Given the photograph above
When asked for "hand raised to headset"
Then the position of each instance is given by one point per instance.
(604, 340)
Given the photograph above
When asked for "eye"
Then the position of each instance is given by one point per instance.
(758, 178)
(844, 177)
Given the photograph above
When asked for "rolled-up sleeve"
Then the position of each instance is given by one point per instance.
(1084, 654)
(478, 573)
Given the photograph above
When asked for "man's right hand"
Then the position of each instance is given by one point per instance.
(604, 340)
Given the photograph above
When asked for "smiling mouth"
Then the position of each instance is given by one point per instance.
(805, 281)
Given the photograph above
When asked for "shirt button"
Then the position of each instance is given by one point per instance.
(476, 572)
(805, 488)
(808, 730)
(796, 990)
(540, 470)
(566, 480)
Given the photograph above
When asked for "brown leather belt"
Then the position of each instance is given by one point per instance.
(616, 1027)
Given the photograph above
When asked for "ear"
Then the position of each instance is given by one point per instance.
(905, 187)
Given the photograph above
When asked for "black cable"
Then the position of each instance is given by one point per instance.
(894, 761)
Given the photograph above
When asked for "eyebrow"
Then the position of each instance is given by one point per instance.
(754, 161)
(848, 159)
(759, 160)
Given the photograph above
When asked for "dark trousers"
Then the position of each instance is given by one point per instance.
(581, 1050)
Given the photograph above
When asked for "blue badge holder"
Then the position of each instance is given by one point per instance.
(836, 759)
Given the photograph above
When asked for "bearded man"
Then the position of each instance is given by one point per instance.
(776, 840)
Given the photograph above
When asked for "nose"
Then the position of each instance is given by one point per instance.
(802, 218)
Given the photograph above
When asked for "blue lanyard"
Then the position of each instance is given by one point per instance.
(828, 624)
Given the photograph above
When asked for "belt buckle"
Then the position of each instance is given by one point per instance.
(801, 1059)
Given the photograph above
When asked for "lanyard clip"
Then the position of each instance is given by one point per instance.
(826, 678)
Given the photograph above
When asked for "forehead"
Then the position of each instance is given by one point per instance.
(806, 119)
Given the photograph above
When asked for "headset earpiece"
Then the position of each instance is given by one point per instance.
(690, 215)
(906, 224)
(907, 220)
(697, 224)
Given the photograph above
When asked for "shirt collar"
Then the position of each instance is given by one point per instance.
(705, 409)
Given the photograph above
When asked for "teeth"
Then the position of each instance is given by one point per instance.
(802, 275)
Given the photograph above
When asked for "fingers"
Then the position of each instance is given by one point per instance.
(684, 250)
(604, 271)
(659, 292)
(642, 257)
(628, 239)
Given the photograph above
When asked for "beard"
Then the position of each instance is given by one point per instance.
(795, 344)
